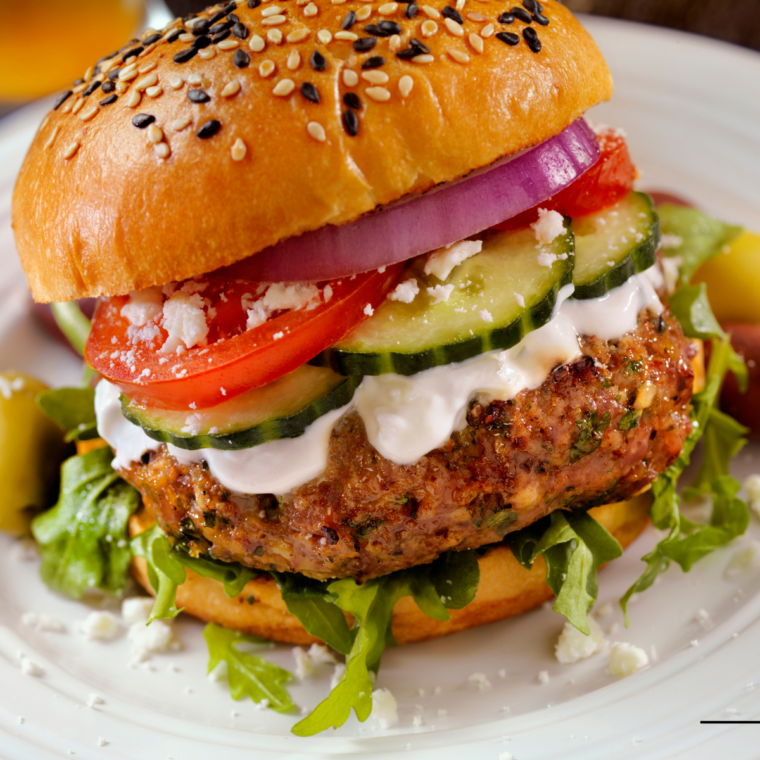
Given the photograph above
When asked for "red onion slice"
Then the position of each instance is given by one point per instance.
(440, 217)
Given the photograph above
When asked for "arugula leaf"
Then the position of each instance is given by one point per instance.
(73, 409)
(232, 575)
(83, 540)
(702, 237)
(691, 308)
(456, 576)
(248, 675)
(573, 546)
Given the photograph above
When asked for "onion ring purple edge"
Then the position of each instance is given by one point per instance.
(441, 217)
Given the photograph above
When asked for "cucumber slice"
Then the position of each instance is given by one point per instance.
(613, 245)
(283, 408)
(481, 314)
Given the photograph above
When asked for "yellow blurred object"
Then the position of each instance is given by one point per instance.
(31, 450)
(47, 44)
(733, 281)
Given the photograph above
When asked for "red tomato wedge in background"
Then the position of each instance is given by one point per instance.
(232, 359)
(609, 180)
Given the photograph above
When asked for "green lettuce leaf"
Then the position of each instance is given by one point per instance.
(248, 675)
(83, 540)
(73, 409)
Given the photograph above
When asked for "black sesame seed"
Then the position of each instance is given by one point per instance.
(201, 42)
(218, 16)
(453, 14)
(411, 10)
(110, 99)
(417, 45)
(532, 39)
(143, 120)
(77, 82)
(96, 70)
(363, 44)
(375, 31)
(198, 96)
(201, 27)
(108, 57)
(221, 36)
(351, 123)
(521, 13)
(254, 3)
(508, 38)
(408, 53)
(507, 18)
(174, 36)
(240, 31)
(530, 5)
(113, 74)
(390, 27)
(233, 17)
(241, 59)
(133, 53)
(318, 61)
(348, 21)
(183, 56)
(374, 63)
(134, 41)
(310, 92)
(219, 28)
(209, 129)
(91, 88)
(61, 99)
(108, 86)
(150, 40)
(539, 19)
(227, 10)
(351, 99)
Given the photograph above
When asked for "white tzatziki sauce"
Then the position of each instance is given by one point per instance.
(405, 417)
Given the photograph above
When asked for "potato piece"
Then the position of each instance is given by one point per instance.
(744, 408)
(733, 280)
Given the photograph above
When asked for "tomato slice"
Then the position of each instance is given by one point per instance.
(609, 180)
(233, 359)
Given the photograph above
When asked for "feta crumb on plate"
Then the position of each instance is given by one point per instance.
(480, 681)
(573, 645)
(543, 677)
(150, 639)
(743, 559)
(384, 708)
(752, 486)
(102, 626)
(42, 622)
(626, 659)
(31, 668)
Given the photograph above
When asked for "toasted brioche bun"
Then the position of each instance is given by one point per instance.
(101, 209)
(506, 588)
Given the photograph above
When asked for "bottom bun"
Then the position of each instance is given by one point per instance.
(506, 588)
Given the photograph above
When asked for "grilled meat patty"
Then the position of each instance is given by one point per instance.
(597, 431)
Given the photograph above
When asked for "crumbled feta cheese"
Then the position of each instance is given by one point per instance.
(671, 269)
(703, 618)
(442, 713)
(262, 705)
(257, 314)
(669, 242)
(143, 306)
(327, 293)
(417, 721)
(150, 639)
(442, 261)
(543, 677)
(604, 610)
(743, 559)
(626, 659)
(304, 663)
(42, 622)
(479, 681)
(752, 486)
(185, 321)
(102, 742)
(485, 315)
(520, 300)
(278, 335)
(337, 675)
(94, 700)
(321, 655)
(368, 310)
(506, 756)
(573, 645)
(549, 226)
(31, 668)
(440, 293)
(136, 609)
(694, 643)
(283, 296)
(24, 550)
(384, 708)
(193, 424)
(546, 259)
(405, 291)
(100, 625)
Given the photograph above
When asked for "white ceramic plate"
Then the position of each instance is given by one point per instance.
(692, 121)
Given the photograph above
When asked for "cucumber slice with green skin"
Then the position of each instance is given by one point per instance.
(283, 408)
(613, 245)
(408, 338)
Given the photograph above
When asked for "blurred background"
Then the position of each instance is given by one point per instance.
(70, 34)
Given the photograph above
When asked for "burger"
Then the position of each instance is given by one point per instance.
(381, 342)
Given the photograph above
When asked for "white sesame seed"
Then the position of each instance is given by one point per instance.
(350, 78)
(428, 28)
(52, 136)
(106, 66)
(301, 2)
(88, 74)
(364, 13)
(78, 106)
(155, 134)
(145, 82)
(298, 34)
(477, 17)
(273, 10)
(239, 149)
(162, 150)
(338, 2)
(424, 58)
(387, 9)
(195, 80)
(70, 150)
(186, 37)
(146, 67)
(487, 30)
(67, 106)
(192, 22)
(126, 75)
(380, 94)
(230, 89)
(476, 41)
(271, 21)
(121, 87)
(154, 92)
(394, 43)
(274, 36)
(453, 27)
(316, 130)
(284, 87)
(257, 43)
(146, 50)
(458, 55)
(374, 76)
(310, 10)
(231, 44)
(324, 36)
(349, 36)
(134, 99)
(266, 68)
(430, 12)
(175, 83)
(405, 85)
(460, 5)
(207, 53)
(182, 123)
(79, 88)
(294, 60)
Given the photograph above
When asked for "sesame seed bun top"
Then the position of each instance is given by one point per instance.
(220, 135)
